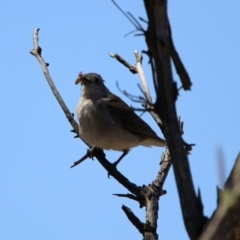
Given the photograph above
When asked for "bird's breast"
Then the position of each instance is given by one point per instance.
(98, 129)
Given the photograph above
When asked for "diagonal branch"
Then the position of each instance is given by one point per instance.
(36, 51)
(181, 70)
(131, 68)
(130, 17)
(133, 219)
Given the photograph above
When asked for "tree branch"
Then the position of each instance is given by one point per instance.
(142, 77)
(130, 196)
(153, 191)
(36, 51)
(159, 44)
(133, 219)
(131, 68)
(181, 70)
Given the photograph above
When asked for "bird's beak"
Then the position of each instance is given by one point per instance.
(80, 78)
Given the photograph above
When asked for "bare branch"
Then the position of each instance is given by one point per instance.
(139, 27)
(86, 156)
(130, 196)
(36, 51)
(133, 219)
(143, 20)
(138, 99)
(163, 172)
(160, 50)
(131, 68)
(143, 80)
(156, 190)
(130, 17)
(140, 88)
(181, 70)
(138, 109)
(133, 31)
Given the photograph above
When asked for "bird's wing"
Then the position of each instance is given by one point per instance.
(127, 118)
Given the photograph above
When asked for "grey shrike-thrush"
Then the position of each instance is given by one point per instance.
(107, 122)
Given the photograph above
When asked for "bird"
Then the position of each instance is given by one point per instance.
(107, 122)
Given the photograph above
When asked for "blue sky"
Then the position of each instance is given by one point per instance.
(41, 197)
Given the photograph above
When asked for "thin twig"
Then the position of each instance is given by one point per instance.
(133, 219)
(139, 26)
(139, 34)
(143, 20)
(130, 196)
(142, 77)
(131, 68)
(131, 18)
(86, 156)
(180, 68)
(140, 88)
(36, 51)
(138, 109)
(127, 34)
(132, 97)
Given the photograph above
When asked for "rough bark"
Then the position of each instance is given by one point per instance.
(159, 42)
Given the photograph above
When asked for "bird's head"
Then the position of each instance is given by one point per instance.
(92, 85)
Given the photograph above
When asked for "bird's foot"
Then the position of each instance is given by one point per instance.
(113, 166)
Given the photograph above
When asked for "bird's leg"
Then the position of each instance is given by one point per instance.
(125, 152)
(114, 165)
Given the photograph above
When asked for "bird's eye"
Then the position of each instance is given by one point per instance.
(96, 80)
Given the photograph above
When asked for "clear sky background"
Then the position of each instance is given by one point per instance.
(41, 197)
